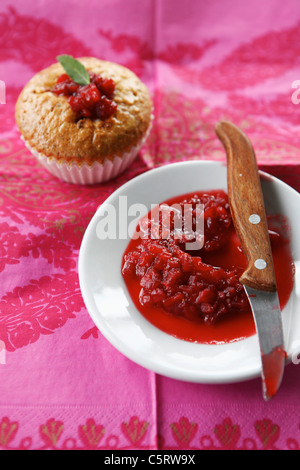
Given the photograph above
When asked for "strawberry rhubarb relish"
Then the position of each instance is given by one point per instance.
(196, 295)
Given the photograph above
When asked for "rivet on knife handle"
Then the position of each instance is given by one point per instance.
(251, 223)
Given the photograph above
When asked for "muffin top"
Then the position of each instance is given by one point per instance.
(50, 126)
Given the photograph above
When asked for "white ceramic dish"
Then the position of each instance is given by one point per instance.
(113, 312)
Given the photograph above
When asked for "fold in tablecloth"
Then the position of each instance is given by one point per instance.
(62, 385)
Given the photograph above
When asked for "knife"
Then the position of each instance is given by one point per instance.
(250, 221)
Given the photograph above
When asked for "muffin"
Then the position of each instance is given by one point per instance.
(85, 133)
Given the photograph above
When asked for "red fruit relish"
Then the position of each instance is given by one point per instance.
(93, 101)
(197, 296)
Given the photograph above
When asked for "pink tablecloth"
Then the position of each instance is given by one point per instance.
(62, 384)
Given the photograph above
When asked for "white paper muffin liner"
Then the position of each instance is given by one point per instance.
(88, 174)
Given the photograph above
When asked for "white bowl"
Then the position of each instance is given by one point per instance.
(112, 310)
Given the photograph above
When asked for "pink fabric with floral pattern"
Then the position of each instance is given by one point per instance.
(62, 384)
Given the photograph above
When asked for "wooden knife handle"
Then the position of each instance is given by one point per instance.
(247, 207)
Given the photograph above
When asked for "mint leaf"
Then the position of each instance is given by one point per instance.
(76, 71)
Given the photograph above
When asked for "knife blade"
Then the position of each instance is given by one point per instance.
(250, 221)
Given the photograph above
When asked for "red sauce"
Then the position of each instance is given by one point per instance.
(197, 296)
(94, 101)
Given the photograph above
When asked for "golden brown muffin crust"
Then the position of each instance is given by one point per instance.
(51, 127)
